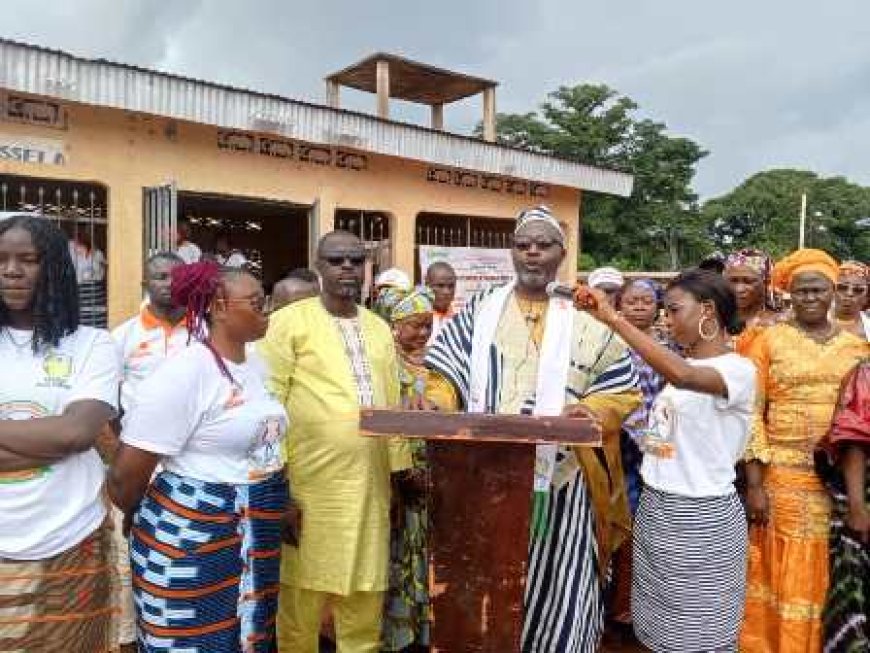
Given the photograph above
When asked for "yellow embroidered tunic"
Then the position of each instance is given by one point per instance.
(799, 381)
(340, 478)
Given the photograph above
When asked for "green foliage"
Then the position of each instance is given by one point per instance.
(660, 225)
(764, 212)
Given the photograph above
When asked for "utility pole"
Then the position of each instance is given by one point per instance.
(803, 221)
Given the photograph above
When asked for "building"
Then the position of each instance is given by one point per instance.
(120, 154)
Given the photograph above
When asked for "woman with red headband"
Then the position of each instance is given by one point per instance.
(206, 533)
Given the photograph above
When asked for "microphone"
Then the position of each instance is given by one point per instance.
(556, 289)
(580, 297)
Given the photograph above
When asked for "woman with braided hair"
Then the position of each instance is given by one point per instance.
(58, 387)
(206, 532)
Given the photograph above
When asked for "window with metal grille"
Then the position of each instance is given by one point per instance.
(445, 230)
(80, 209)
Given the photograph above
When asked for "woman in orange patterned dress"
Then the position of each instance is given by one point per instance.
(800, 366)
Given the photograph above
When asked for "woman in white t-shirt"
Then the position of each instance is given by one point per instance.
(690, 538)
(58, 387)
(206, 533)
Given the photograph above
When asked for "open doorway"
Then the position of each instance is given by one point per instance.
(272, 236)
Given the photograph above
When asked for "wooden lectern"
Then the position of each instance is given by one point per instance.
(480, 491)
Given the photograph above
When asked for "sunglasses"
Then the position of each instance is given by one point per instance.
(337, 261)
(850, 289)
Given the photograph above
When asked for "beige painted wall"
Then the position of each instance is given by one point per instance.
(126, 152)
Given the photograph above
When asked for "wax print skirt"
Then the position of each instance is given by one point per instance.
(206, 564)
(64, 603)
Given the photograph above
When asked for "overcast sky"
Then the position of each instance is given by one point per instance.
(760, 84)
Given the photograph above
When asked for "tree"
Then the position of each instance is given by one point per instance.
(764, 212)
(659, 226)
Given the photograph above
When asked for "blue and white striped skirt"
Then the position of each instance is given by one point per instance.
(689, 585)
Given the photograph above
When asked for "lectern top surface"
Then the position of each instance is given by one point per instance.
(518, 429)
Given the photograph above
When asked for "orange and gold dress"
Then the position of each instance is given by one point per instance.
(799, 381)
(742, 343)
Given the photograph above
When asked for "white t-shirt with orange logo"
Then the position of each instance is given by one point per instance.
(145, 343)
(204, 426)
(46, 511)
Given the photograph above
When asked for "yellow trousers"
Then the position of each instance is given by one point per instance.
(357, 620)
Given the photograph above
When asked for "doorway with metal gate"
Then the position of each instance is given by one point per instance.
(80, 210)
(271, 237)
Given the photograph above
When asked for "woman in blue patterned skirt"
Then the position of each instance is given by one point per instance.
(206, 533)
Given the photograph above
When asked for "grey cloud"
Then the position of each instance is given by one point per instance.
(759, 84)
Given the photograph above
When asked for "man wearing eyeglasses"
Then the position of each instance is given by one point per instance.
(329, 357)
(514, 350)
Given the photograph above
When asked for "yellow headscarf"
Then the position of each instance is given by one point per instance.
(804, 260)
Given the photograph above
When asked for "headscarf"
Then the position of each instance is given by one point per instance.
(386, 300)
(854, 269)
(417, 302)
(754, 259)
(648, 285)
(539, 214)
(605, 275)
(804, 260)
(393, 278)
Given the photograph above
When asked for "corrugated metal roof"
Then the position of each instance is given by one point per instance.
(52, 73)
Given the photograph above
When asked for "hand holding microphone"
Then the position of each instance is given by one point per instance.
(585, 299)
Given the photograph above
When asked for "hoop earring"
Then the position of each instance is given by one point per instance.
(705, 336)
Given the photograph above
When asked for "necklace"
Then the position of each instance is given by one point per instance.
(533, 312)
(820, 338)
(19, 346)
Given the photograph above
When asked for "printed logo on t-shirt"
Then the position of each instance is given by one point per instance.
(23, 410)
(58, 369)
(264, 454)
(658, 440)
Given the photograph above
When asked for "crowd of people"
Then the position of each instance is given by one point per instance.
(196, 480)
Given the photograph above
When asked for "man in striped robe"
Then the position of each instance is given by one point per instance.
(514, 350)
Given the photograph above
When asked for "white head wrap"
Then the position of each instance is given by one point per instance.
(605, 275)
(394, 278)
(539, 214)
